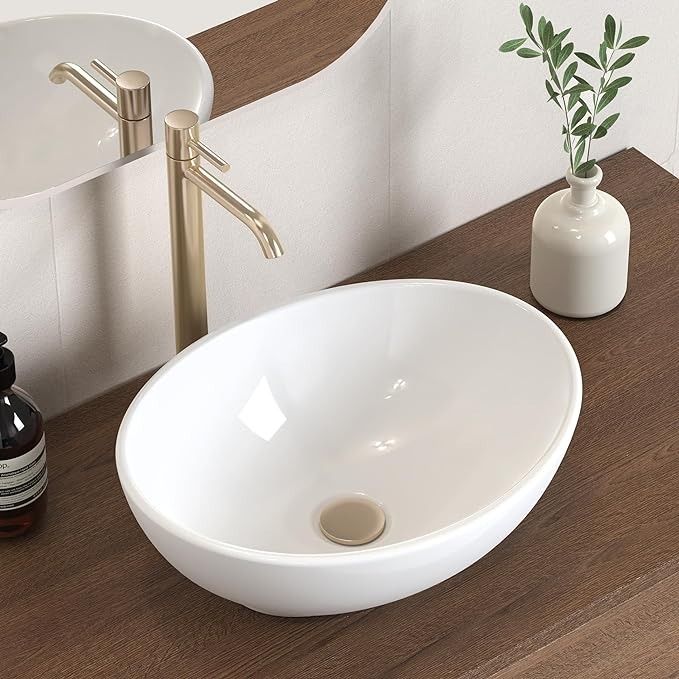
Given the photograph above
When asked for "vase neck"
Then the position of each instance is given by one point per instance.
(584, 189)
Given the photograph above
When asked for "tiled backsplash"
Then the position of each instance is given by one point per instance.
(420, 127)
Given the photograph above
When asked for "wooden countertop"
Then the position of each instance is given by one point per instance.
(280, 44)
(587, 586)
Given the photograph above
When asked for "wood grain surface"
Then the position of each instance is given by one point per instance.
(587, 586)
(279, 45)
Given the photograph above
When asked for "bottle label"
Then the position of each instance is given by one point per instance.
(23, 479)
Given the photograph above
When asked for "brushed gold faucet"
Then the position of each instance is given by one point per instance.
(130, 105)
(187, 181)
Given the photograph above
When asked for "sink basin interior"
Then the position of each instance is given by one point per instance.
(432, 399)
(57, 135)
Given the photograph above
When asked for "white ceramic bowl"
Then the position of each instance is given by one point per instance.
(448, 404)
(53, 134)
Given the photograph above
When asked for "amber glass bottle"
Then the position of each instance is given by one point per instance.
(23, 464)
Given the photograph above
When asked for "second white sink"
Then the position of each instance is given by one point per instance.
(54, 135)
(447, 406)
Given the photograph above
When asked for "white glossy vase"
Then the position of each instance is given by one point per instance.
(580, 250)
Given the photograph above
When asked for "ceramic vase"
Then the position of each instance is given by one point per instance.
(580, 249)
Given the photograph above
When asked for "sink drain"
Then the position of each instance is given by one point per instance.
(352, 521)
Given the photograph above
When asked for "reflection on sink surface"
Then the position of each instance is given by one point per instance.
(448, 406)
(56, 135)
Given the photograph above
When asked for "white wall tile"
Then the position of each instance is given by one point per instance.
(112, 248)
(29, 311)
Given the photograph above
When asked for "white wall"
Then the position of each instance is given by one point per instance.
(186, 18)
(471, 128)
(420, 127)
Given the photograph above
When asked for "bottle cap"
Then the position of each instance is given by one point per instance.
(7, 370)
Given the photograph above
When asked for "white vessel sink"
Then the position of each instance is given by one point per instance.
(54, 135)
(447, 405)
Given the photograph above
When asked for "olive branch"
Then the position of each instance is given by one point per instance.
(567, 89)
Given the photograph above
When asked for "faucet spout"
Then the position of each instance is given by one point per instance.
(92, 88)
(187, 182)
(239, 208)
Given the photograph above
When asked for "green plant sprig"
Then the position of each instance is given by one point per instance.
(567, 89)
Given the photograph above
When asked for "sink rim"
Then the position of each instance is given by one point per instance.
(371, 551)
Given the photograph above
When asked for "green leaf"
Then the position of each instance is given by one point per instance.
(601, 131)
(582, 81)
(541, 29)
(511, 45)
(579, 115)
(553, 94)
(609, 33)
(549, 35)
(602, 54)
(527, 16)
(584, 130)
(608, 123)
(584, 169)
(564, 54)
(606, 100)
(618, 83)
(559, 38)
(573, 99)
(528, 53)
(622, 61)
(569, 72)
(589, 60)
(579, 153)
(579, 89)
(565, 145)
(634, 42)
(619, 36)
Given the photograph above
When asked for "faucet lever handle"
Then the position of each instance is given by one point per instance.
(101, 68)
(209, 155)
(133, 91)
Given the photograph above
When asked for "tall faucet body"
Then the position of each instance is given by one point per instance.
(187, 181)
(188, 253)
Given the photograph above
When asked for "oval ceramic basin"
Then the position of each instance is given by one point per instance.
(448, 405)
(54, 133)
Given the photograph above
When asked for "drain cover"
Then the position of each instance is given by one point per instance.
(352, 521)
